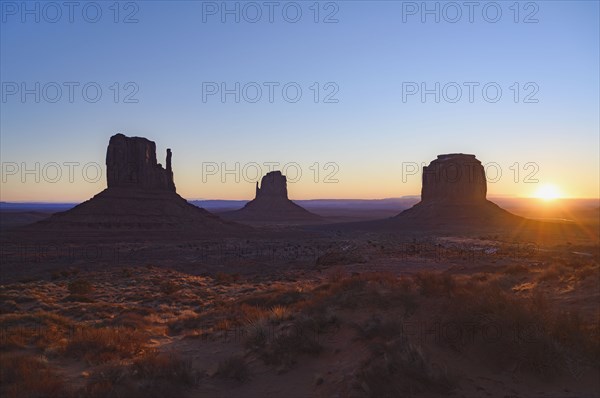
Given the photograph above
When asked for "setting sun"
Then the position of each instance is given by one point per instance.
(548, 192)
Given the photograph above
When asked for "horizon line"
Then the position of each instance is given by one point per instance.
(323, 199)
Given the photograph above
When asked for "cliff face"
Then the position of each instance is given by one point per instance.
(131, 163)
(454, 178)
(272, 186)
(454, 195)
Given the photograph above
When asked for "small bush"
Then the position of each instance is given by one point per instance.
(80, 286)
(399, 368)
(234, 368)
(170, 367)
(28, 376)
(516, 269)
(553, 272)
(223, 278)
(433, 284)
(98, 345)
(169, 287)
(376, 328)
(279, 313)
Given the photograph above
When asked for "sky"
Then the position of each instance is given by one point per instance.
(350, 98)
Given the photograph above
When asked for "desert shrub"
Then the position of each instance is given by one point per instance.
(281, 345)
(43, 329)
(153, 375)
(106, 381)
(233, 368)
(286, 344)
(250, 312)
(98, 345)
(165, 366)
(224, 278)
(553, 272)
(317, 319)
(274, 298)
(521, 334)
(279, 313)
(370, 289)
(169, 287)
(504, 281)
(516, 269)
(336, 274)
(257, 333)
(129, 319)
(400, 368)
(585, 271)
(28, 376)
(80, 286)
(377, 328)
(186, 323)
(432, 284)
(79, 298)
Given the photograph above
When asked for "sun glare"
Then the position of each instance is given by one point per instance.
(548, 192)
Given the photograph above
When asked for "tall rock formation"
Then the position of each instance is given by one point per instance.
(272, 205)
(454, 194)
(131, 163)
(454, 178)
(273, 186)
(140, 198)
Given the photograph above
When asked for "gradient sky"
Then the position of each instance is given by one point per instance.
(369, 133)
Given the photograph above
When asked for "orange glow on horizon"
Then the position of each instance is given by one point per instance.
(548, 192)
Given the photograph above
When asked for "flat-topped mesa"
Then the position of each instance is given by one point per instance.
(272, 185)
(454, 178)
(131, 163)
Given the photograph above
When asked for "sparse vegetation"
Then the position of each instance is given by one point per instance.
(109, 327)
(98, 345)
(80, 287)
(234, 368)
(164, 366)
(24, 375)
(398, 368)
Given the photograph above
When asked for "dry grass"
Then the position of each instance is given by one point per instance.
(286, 344)
(225, 279)
(279, 314)
(398, 368)
(234, 368)
(377, 328)
(80, 286)
(23, 375)
(165, 366)
(553, 272)
(99, 345)
(433, 284)
(43, 330)
(169, 287)
(514, 333)
(275, 297)
(516, 269)
(283, 323)
(153, 375)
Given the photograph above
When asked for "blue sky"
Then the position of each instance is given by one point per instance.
(368, 56)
